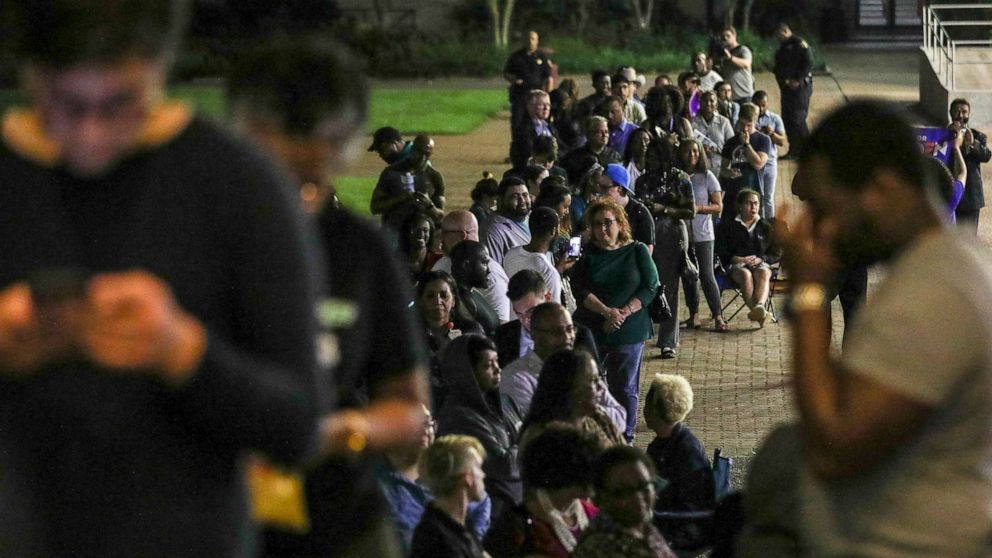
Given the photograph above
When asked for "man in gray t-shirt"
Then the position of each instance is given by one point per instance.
(898, 430)
(735, 67)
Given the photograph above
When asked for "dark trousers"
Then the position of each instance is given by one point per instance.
(967, 219)
(852, 287)
(518, 108)
(795, 108)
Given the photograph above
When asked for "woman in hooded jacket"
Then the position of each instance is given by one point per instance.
(475, 407)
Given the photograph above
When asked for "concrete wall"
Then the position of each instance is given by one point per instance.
(935, 98)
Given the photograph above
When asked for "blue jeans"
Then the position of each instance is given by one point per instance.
(623, 373)
(768, 176)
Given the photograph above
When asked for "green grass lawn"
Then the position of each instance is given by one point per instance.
(355, 192)
(412, 111)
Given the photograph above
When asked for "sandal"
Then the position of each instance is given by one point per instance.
(690, 324)
(721, 325)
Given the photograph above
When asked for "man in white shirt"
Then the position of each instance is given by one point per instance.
(714, 128)
(536, 254)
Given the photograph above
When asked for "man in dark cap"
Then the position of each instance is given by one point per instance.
(388, 143)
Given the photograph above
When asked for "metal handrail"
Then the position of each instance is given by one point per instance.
(940, 48)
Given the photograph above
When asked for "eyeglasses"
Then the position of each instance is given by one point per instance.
(604, 223)
(456, 231)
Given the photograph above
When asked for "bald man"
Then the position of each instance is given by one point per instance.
(462, 225)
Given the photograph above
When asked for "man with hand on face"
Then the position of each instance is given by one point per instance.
(975, 151)
(508, 228)
(899, 425)
(408, 185)
(470, 268)
(177, 265)
(744, 156)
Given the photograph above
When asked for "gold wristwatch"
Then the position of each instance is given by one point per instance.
(806, 297)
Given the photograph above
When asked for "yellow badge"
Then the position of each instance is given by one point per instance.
(277, 497)
(539, 61)
(804, 44)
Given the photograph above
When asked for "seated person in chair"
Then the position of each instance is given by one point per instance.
(680, 460)
(747, 250)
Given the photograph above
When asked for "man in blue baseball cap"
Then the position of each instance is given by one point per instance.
(615, 182)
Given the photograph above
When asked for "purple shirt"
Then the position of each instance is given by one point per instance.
(620, 135)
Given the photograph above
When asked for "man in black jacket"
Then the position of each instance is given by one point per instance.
(975, 150)
(157, 297)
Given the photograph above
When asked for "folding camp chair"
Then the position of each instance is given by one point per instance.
(697, 526)
(725, 283)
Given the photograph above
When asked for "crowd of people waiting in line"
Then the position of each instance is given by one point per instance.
(411, 393)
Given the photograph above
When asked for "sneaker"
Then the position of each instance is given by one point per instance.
(667, 353)
(757, 314)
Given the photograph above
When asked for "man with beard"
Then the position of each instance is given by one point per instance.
(459, 225)
(470, 268)
(896, 430)
(508, 228)
(975, 150)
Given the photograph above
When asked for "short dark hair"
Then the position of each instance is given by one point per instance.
(744, 194)
(507, 183)
(429, 277)
(685, 76)
(525, 282)
(604, 105)
(61, 34)
(542, 221)
(759, 95)
(599, 74)
(848, 140)
(485, 187)
(559, 457)
(959, 101)
(552, 193)
(545, 145)
(464, 251)
(614, 457)
(301, 83)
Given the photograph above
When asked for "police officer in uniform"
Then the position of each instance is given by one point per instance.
(793, 72)
(526, 69)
